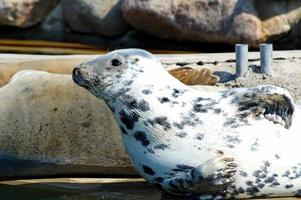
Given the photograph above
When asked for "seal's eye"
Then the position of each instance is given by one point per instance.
(115, 62)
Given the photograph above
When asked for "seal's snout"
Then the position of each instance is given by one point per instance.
(75, 71)
(76, 75)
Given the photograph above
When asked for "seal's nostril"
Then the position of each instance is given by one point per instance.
(75, 71)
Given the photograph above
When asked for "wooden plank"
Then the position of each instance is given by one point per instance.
(86, 189)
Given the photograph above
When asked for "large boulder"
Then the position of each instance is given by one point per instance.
(24, 13)
(50, 126)
(54, 21)
(95, 16)
(226, 21)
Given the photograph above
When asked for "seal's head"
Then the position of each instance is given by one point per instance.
(107, 74)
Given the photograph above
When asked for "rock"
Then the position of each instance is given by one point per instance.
(54, 22)
(95, 16)
(200, 20)
(50, 126)
(229, 21)
(281, 22)
(24, 13)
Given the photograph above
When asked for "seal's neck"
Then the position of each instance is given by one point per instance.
(146, 100)
(148, 86)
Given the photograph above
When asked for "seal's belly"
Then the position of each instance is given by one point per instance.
(266, 159)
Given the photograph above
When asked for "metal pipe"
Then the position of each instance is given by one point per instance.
(266, 58)
(241, 51)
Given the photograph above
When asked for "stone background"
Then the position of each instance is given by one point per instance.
(203, 25)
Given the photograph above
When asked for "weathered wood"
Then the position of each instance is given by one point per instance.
(84, 189)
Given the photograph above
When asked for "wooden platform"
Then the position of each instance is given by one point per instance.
(83, 189)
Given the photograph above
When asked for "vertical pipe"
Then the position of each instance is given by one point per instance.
(266, 58)
(241, 51)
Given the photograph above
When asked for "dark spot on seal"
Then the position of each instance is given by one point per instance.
(286, 173)
(164, 100)
(141, 136)
(143, 106)
(123, 131)
(158, 179)
(274, 184)
(200, 136)
(217, 110)
(181, 134)
(269, 179)
(232, 140)
(260, 185)
(150, 151)
(242, 173)
(231, 122)
(162, 121)
(249, 183)
(289, 186)
(128, 118)
(255, 145)
(277, 156)
(241, 190)
(202, 99)
(159, 187)
(259, 174)
(148, 170)
(176, 93)
(247, 106)
(161, 146)
(132, 103)
(252, 190)
(128, 82)
(183, 168)
(267, 163)
(146, 91)
(199, 108)
(115, 62)
(119, 93)
(298, 193)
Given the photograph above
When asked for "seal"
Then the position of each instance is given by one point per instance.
(237, 143)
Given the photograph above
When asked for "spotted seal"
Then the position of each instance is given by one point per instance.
(237, 143)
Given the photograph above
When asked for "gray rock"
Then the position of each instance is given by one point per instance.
(95, 16)
(226, 21)
(24, 13)
(54, 22)
(50, 126)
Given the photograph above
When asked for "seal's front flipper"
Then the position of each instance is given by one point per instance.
(210, 179)
(274, 103)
